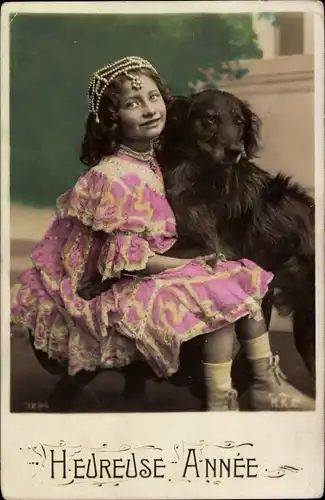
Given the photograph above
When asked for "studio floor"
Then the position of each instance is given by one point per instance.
(31, 385)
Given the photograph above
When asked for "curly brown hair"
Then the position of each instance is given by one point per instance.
(104, 137)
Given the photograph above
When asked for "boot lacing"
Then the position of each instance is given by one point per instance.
(231, 399)
(274, 365)
(281, 400)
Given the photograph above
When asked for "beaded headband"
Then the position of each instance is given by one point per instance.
(103, 77)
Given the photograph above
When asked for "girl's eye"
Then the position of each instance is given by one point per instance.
(131, 105)
(154, 97)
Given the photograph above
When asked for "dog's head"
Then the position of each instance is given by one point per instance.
(216, 122)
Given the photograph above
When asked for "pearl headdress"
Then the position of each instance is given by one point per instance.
(103, 77)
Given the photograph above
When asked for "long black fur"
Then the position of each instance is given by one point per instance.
(223, 201)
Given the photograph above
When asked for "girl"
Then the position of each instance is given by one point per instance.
(116, 220)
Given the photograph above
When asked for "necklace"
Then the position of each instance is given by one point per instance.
(145, 156)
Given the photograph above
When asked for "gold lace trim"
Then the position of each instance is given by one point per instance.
(115, 168)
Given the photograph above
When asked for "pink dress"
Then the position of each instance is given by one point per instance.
(113, 220)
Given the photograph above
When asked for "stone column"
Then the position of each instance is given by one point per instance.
(268, 37)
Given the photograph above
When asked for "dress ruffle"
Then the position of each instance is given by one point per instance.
(123, 252)
(99, 204)
(69, 328)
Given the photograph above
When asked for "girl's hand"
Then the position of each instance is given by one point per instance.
(210, 259)
(179, 262)
(159, 263)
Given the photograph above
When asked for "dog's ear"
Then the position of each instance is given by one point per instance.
(177, 109)
(252, 129)
(177, 117)
(172, 137)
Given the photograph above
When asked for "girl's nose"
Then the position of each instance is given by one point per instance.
(148, 109)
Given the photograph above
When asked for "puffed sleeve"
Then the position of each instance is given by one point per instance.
(115, 208)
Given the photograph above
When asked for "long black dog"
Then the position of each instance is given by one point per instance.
(222, 199)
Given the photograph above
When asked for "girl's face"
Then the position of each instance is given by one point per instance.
(142, 112)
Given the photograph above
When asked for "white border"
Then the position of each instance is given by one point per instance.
(278, 437)
(162, 7)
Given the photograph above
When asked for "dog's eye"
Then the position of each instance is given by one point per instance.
(210, 119)
(238, 118)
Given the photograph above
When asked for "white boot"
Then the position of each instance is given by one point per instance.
(271, 391)
(221, 395)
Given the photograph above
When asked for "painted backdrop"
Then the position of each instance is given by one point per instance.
(52, 58)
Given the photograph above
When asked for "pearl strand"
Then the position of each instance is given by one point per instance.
(146, 156)
(99, 81)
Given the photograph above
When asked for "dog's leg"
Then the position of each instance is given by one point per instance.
(67, 390)
(240, 371)
(191, 370)
(136, 375)
(304, 335)
(196, 385)
(267, 305)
